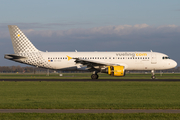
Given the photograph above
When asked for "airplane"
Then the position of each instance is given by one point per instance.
(112, 63)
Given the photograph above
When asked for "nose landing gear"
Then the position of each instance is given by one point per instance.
(153, 75)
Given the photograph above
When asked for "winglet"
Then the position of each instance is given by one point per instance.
(69, 58)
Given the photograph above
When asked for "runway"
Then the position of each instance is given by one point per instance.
(98, 80)
(89, 111)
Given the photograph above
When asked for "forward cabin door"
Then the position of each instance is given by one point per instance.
(153, 58)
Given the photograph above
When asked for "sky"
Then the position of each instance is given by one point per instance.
(93, 25)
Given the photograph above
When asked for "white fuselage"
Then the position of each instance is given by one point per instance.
(130, 60)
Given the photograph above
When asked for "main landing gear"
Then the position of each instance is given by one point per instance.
(153, 75)
(94, 75)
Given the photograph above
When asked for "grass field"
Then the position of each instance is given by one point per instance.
(102, 116)
(90, 95)
(84, 76)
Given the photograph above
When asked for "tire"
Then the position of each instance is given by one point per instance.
(94, 76)
(153, 77)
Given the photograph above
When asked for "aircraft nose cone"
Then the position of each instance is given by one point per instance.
(174, 64)
(171, 64)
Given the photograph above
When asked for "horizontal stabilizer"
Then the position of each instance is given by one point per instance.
(14, 57)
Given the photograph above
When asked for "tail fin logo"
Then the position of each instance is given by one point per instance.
(20, 42)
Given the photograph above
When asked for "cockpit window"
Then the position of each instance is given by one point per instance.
(165, 57)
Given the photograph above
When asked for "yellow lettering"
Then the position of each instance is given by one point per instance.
(141, 54)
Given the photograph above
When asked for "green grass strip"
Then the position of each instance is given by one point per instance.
(90, 95)
(102, 116)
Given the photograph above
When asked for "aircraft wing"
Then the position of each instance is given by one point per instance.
(94, 65)
(90, 62)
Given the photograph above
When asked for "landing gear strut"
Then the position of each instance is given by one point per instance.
(153, 75)
(94, 75)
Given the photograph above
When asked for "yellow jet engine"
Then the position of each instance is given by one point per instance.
(116, 70)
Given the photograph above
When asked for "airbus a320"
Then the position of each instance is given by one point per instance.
(112, 63)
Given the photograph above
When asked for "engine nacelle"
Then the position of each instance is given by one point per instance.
(116, 70)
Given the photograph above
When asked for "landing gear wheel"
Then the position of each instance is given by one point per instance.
(153, 77)
(94, 76)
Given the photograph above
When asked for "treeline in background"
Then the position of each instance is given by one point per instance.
(19, 69)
